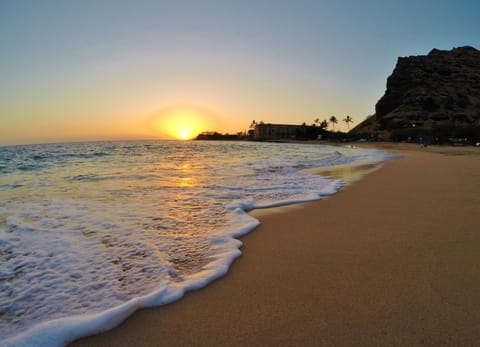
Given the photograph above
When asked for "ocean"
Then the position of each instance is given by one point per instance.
(91, 232)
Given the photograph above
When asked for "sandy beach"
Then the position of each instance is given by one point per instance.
(390, 260)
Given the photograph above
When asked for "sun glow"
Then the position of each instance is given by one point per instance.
(182, 123)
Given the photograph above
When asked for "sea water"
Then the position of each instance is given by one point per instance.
(90, 232)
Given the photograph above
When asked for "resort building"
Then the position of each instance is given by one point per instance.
(280, 131)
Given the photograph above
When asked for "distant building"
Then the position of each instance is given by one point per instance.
(279, 131)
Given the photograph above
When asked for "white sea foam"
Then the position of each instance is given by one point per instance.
(91, 232)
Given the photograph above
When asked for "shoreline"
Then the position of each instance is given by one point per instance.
(373, 264)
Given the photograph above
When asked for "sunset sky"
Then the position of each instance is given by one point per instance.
(101, 69)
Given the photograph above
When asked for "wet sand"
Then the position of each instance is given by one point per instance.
(392, 259)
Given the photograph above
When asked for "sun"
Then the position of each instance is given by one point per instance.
(182, 123)
(184, 131)
(185, 125)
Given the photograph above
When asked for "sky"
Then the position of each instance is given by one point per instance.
(84, 70)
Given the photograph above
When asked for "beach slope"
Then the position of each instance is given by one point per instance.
(392, 259)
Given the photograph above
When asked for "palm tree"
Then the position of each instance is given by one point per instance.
(334, 121)
(253, 124)
(348, 120)
(324, 124)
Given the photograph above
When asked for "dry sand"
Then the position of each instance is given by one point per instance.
(391, 260)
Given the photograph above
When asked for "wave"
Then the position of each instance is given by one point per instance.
(141, 230)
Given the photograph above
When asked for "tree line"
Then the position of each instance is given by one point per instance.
(323, 124)
(333, 121)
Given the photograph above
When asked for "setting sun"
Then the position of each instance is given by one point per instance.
(183, 127)
(182, 123)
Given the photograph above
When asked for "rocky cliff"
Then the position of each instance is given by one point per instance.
(437, 94)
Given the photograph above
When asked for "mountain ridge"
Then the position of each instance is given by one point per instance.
(437, 94)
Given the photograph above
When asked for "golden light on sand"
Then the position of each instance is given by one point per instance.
(182, 123)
